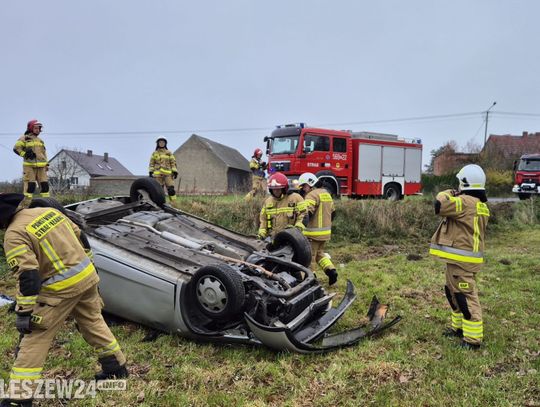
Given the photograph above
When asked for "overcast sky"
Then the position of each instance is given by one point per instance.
(184, 66)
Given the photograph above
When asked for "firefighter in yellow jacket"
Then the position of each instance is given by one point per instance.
(459, 241)
(280, 210)
(56, 279)
(320, 209)
(32, 149)
(163, 167)
(258, 168)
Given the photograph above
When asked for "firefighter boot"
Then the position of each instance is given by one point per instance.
(111, 369)
(16, 403)
(469, 346)
(332, 276)
(453, 333)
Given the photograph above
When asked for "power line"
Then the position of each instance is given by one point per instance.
(104, 134)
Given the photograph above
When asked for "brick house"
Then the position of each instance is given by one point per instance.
(501, 151)
(449, 161)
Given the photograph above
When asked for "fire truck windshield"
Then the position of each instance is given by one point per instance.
(284, 145)
(529, 165)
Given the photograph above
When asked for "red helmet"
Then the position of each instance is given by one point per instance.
(278, 181)
(31, 124)
(257, 152)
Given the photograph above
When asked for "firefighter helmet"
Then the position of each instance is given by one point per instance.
(257, 153)
(471, 177)
(308, 178)
(30, 125)
(278, 181)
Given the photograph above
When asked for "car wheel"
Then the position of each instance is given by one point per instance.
(147, 188)
(218, 291)
(47, 203)
(392, 192)
(299, 243)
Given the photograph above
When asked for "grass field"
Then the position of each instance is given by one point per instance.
(410, 365)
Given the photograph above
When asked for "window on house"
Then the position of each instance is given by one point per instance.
(100, 166)
(63, 164)
(74, 180)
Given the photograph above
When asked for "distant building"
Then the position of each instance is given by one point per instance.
(208, 167)
(449, 161)
(502, 150)
(73, 169)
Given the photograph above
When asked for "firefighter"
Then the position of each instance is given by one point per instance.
(163, 167)
(55, 279)
(258, 169)
(320, 210)
(280, 210)
(459, 242)
(35, 165)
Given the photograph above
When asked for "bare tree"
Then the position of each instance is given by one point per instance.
(63, 173)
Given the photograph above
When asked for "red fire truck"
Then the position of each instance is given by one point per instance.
(354, 164)
(527, 179)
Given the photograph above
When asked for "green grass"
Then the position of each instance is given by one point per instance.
(410, 365)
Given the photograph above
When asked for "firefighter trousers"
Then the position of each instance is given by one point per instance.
(168, 182)
(33, 178)
(462, 293)
(319, 257)
(258, 187)
(47, 319)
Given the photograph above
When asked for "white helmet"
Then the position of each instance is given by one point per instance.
(308, 178)
(471, 177)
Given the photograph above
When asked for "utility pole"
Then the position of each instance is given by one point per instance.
(487, 117)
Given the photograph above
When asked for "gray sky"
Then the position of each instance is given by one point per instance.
(184, 66)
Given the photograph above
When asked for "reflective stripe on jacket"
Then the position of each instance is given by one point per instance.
(162, 162)
(256, 168)
(459, 239)
(277, 214)
(38, 147)
(44, 239)
(320, 206)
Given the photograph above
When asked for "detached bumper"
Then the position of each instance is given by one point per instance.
(291, 337)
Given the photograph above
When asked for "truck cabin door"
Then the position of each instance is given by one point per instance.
(317, 150)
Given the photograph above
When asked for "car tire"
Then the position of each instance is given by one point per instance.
(218, 291)
(47, 203)
(299, 243)
(149, 186)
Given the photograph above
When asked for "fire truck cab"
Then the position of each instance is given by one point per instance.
(354, 164)
(527, 176)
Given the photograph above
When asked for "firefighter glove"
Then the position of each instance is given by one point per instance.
(262, 234)
(151, 174)
(22, 323)
(300, 226)
(29, 153)
(175, 174)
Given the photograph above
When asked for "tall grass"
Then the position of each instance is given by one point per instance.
(366, 221)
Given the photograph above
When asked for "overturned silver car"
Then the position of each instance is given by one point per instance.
(175, 272)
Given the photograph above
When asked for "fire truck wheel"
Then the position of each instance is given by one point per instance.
(392, 192)
(522, 197)
(328, 181)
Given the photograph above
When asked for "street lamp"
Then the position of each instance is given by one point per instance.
(487, 116)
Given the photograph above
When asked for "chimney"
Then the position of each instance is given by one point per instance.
(89, 153)
(106, 157)
(525, 134)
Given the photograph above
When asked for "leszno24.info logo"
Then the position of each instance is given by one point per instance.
(58, 388)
